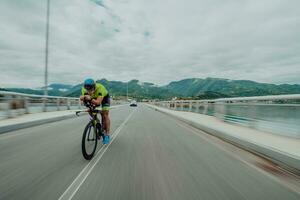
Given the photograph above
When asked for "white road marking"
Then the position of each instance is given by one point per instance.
(79, 180)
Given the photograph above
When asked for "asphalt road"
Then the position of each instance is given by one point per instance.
(151, 156)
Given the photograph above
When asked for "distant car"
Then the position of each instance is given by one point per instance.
(133, 103)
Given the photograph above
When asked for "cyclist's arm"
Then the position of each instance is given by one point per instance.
(84, 95)
(98, 101)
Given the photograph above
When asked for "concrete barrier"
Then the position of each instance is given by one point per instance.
(30, 120)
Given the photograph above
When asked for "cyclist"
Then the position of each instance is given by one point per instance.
(97, 94)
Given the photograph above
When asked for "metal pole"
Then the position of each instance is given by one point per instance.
(46, 53)
(68, 104)
(181, 105)
(57, 104)
(198, 106)
(9, 107)
(127, 91)
(79, 103)
(26, 105)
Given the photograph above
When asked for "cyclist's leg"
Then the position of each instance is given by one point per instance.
(105, 113)
(106, 121)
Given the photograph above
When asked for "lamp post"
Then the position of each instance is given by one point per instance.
(46, 55)
(127, 91)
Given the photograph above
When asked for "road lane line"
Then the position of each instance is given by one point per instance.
(79, 180)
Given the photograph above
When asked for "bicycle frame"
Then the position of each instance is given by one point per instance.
(92, 111)
(97, 132)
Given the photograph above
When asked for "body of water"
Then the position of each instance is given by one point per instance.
(277, 119)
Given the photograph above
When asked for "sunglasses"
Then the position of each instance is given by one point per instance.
(89, 87)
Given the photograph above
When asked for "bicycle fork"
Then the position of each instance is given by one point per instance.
(99, 130)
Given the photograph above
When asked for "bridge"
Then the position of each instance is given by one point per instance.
(159, 150)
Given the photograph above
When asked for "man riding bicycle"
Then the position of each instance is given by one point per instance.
(97, 95)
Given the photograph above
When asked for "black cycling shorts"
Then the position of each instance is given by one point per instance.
(106, 102)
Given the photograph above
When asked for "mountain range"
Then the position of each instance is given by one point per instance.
(196, 88)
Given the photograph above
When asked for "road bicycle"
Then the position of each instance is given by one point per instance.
(93, 131)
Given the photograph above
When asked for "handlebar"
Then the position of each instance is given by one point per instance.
(88, 111)
(91, 108)
(89, 105)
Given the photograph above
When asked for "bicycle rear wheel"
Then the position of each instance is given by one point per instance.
(89, 141)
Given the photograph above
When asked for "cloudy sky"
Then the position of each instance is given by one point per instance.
(156, 41)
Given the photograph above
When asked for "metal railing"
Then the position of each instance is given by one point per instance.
(278, 100)
(277, 113)
(13, 104)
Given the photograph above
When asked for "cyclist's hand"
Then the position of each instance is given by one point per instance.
(81, 98)
(94, 102)
(87, 98)
(86, 103)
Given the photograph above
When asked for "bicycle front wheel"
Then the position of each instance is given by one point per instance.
(89, 141)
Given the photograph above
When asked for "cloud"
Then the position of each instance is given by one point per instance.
(155, 41)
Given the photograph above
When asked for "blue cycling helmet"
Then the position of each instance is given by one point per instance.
(89, 84)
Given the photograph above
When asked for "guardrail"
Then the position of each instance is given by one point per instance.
(265, 99)
(277, 114)
(13, 104)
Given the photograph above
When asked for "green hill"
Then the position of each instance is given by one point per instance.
(136, 89)
(230, 88)
(194, 88)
